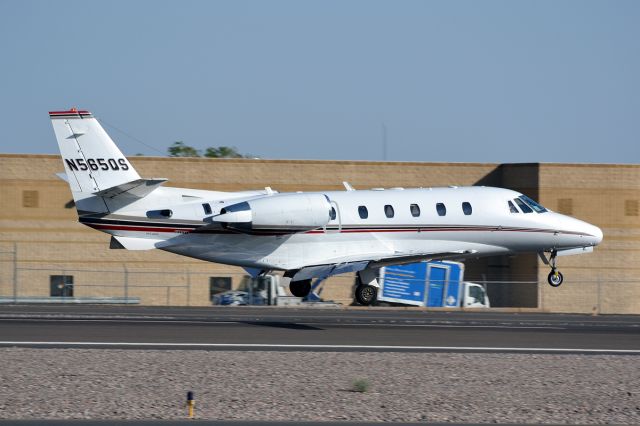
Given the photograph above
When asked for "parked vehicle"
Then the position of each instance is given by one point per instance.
(432, 284)
(261, 290)
(231, 298)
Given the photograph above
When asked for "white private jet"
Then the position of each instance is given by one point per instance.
(306, 235)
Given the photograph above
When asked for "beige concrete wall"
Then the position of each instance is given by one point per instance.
(49, 237)
(608, 280)
(51, 241)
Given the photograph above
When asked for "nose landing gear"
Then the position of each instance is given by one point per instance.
(555, 277)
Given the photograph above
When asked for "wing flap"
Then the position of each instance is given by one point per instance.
(327, 270)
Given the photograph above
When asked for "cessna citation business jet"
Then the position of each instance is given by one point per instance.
(305, 235)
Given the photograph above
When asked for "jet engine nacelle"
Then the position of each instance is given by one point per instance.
(282, 214)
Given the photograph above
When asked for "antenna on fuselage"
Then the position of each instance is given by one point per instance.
(348, 186)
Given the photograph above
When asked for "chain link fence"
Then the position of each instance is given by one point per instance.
(120, 284)
(124, 284)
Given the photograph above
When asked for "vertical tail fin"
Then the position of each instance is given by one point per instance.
(92, 161)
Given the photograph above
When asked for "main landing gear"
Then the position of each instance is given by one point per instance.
(555, 277)
(300, 288)
(366, 292)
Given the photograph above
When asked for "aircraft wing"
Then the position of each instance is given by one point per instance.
(398, 258)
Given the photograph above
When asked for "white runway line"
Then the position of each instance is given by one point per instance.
(300, 346)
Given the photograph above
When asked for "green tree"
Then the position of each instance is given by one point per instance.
(179, 149)
(222, 152)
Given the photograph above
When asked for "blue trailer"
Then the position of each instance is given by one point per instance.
(432, 284)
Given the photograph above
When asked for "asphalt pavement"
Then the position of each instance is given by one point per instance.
(216, 423)
(335, 329)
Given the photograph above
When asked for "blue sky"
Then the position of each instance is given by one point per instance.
(479, 81)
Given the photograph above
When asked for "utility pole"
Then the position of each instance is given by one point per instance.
(15, 272)
(126, 283)
(384, 142)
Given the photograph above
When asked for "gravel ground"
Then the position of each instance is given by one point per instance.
(430, 387)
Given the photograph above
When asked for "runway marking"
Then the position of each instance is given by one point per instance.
(320, 346)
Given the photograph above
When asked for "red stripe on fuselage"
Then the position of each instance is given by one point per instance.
(343, 231)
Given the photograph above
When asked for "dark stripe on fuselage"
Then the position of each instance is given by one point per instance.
(168, 224)
(177, 227)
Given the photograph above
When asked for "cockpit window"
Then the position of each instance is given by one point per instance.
(525, 208)
(512, 208)
(534, 205)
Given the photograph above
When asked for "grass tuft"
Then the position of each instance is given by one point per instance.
(361, 385)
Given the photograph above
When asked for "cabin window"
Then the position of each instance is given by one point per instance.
(333, 214)
(363, 212)
(512, 208)
(533, 204)
(441, 209)
(207, 208)
(525, 208)
(415, 210)
(466, 208)
(388, 211)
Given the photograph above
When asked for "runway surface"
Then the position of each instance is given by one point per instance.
(268, 328)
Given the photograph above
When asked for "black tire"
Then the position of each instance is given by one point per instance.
(300, 288)
(366, 294)
(555, 278)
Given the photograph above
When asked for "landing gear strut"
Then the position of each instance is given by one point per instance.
(555, 277)
(300, 288)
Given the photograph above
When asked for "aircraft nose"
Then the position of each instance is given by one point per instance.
(589, 233)
(596, 234)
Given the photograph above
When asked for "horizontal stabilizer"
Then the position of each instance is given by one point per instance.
(138, 188)
(132, 243)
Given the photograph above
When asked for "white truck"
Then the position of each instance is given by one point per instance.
(261, 290)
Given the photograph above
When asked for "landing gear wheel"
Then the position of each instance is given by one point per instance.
(555, 278)
(366, 294)
(300, 288)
